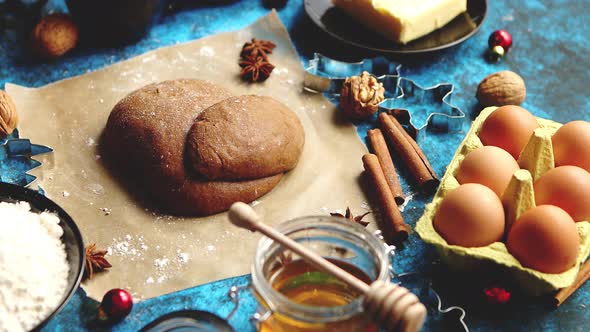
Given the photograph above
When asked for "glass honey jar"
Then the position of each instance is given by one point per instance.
(295, 296)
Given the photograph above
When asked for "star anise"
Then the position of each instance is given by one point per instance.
(283, 260)
(348, 215)
(255, 69)
(256, 48)
(95, 261)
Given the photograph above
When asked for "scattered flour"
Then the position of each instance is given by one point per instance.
(365, 206)
(161, 263)
(129, 247)
(33, 266)
(133, 247)
(280, 71)
(408, 199)
(207, 51)
(182, 257)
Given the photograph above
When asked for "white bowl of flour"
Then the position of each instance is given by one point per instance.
(41, 259)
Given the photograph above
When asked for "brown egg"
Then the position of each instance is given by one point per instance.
(508, 127)
(470, 216)
(489, 165)
(567, 187)
(571, 145)
(545, 238)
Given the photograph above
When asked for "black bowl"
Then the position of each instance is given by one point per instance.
(188, 320)
(71, 238)
(114, 22)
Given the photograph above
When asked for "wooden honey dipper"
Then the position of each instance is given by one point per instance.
(391, 306)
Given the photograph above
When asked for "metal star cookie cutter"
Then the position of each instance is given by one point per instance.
(417, 107)
(424, 108)
(16, 161)
(421, 285)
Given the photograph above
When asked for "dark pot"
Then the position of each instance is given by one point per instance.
(114, 22)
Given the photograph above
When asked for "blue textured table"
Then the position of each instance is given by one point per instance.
(551, 51)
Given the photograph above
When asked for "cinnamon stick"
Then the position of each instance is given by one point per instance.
(380, 149)
(391, 223)
(409, 151)
(581, 278)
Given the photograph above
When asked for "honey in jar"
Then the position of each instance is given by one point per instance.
(295, 296)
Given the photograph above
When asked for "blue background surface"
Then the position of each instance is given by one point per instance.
(551, 51)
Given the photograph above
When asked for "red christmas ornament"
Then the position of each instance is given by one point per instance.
(499, 43)
(497, 295)
(116, 304)
(500, 38)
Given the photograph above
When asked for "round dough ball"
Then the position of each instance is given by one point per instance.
(145, 138)
(245, 137)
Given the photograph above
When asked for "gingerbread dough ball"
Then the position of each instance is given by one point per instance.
(245, 137)
(146, 140)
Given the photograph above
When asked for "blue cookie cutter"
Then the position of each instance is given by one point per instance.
(416, 107)
(16, 161)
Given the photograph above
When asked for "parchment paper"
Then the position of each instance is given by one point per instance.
(153, 254)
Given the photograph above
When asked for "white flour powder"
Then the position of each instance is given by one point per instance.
(33, 266)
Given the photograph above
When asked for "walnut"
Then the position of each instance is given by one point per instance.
(361, 95)
(8, 115)
(54, 35)
(501, 88)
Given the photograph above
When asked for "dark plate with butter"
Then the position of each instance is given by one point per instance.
(337, 23)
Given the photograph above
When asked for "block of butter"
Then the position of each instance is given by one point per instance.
(403, 20)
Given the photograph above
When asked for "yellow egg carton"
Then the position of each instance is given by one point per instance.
(535, 159)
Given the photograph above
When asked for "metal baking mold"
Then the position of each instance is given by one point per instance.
(417, 107)
(16, 161)
(326, 75)
(421, 108)
(421, 285)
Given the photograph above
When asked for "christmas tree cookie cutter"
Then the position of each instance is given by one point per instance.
(416, 107)
(16, 161)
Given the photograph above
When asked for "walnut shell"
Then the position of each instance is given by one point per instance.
(501, 88)
(8, 115)
(54, 35)
(360, 96)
